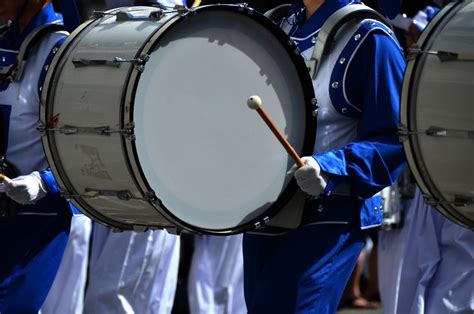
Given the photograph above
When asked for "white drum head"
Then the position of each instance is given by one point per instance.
(212, 161)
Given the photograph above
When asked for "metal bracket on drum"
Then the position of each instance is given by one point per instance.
(116, 62)
(444, 56)
(459, 201)
(404, 132)
(127, 131)
(128, 16)
(124, 195)
(260, 224)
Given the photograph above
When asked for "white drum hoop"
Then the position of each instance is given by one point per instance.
(126, 123)
(411, 134)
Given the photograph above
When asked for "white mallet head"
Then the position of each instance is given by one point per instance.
(254, 102)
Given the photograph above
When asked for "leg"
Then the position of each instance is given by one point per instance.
(303, 271)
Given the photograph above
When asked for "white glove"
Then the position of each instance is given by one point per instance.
(309, 177)
(25, 190)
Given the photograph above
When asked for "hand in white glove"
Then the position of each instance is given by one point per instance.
(309, 177)
(25, 189)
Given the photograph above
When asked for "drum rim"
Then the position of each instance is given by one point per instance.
(411, 143)
(308, 93)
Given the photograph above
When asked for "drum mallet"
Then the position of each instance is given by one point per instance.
(254, 102)
(4, 179)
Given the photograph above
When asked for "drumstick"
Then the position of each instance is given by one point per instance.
(196, 3)
(4, 179)
(254, 102)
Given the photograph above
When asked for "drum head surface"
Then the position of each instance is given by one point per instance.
(211, 160)
(441, 97)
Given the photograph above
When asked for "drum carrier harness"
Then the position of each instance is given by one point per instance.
(10, 74)
(290, 217)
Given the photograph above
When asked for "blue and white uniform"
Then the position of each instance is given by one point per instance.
(357, 89)
(131, 272)
(426, 266)
(33, 240)
(216, 276)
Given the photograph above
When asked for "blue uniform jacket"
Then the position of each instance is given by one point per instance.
(372, 84)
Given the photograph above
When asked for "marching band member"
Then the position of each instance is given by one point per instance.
(34, 220)
(357, 154)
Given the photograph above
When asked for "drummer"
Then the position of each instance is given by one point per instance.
(357, 154)
(34, 219)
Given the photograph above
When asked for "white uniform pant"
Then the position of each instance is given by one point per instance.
(428, 265)
(132, 272)
(215, 283)
(67, 292)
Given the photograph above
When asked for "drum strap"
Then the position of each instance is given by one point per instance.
(328, 31)
(14, 72)
(278, 13)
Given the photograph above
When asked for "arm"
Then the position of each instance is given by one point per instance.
(375, 78)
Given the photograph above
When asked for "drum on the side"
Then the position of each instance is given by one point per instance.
(437, 114)
(146, 124)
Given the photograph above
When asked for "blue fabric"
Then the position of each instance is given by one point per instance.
(304, 271)
(48, 178)
(53, 189)
(339, 101)
(47, 63)
(431, 12)
(33, 247)
(69, 13)
(33, 241)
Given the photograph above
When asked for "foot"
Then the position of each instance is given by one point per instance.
(359, 302)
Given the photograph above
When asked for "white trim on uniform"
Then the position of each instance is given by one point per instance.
(352, 56)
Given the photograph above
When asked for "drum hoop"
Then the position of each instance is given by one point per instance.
(307, 87)
(410, 87)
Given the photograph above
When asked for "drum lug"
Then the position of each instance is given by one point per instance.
(41, 128)
(261, 224)
(115, 62)
(124, 15)
(242, 6)
(150, 196)
(459, 201)
(402, 132)
(314, 103)
(444, 56)
(434, 131)
(127, 131)
(124, 195)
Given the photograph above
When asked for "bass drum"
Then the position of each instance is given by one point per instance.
(437, 113)
(146, 124)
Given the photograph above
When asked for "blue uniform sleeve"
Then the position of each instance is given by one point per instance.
(48, 178)
(373, 83)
